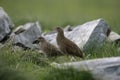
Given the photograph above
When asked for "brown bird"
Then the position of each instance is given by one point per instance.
(66, 45)
(47, 48)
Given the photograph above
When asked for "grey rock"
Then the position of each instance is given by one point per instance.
(26, 34)
(89, 35)
(113, 37)
(101, 69)
(5, 24)
(68, 28)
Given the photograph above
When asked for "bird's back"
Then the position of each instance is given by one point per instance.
(69, 47)
(50, 49)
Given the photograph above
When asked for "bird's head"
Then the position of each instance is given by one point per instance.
(59, 29)
(40, 39)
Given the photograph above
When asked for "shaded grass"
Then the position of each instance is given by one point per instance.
(36, 66)
(68, 74)
(9, 74)
(107, 50)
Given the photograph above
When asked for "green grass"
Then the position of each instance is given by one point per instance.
(62, 12)
(68, 74)
(31, 65)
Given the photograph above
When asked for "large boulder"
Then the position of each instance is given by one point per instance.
(101, 69)
(25, 35)
(5, 24)
(89, 35)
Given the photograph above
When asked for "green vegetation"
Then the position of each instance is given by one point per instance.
(31, 65)
(62, 12)
(68, 74)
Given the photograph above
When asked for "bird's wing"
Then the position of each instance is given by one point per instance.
(53, 49)
(72, 48)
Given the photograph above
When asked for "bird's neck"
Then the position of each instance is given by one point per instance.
(42, 42)
(60, 35)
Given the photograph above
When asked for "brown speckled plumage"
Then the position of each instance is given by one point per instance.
(66, 45)
(48, 48)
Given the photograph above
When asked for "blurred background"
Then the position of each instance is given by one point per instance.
(63, 12)
(51, 13)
